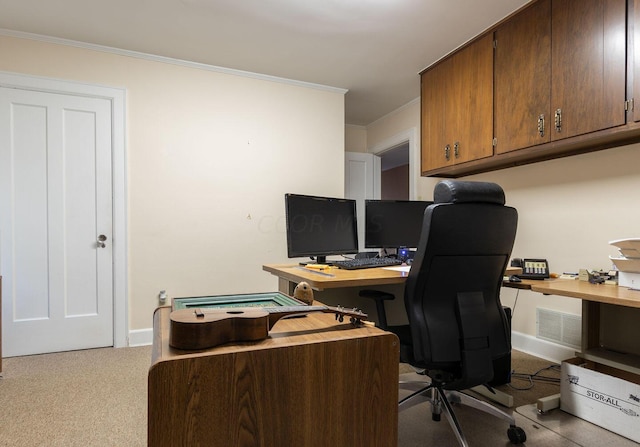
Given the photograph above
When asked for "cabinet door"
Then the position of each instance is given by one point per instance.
(471, 131)
(634, 25)
(588, 65)
(522, 77)
(436, 150)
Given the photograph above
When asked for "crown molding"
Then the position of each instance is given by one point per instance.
(168, 60)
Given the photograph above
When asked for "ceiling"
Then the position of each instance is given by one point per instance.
(372, 48)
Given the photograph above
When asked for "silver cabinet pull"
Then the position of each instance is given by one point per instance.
(558, 117)
(541, 125)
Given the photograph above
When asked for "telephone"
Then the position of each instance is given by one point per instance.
(532, 268)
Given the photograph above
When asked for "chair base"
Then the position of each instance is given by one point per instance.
(441, 400)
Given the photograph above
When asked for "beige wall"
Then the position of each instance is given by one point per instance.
(210, 157)
(355, 138)
(569, 209)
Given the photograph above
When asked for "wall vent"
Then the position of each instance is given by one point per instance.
(559, 327)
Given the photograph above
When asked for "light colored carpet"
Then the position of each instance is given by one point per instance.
(98, 398)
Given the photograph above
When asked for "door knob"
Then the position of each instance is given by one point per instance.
(101, 240)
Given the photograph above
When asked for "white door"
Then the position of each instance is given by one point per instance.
(362, 181)
(55, 203)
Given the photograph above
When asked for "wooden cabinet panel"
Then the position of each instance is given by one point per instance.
(434, 140)
(473, 73)
(588, 65)
(523, 79)
(634, 30)
(457, 107)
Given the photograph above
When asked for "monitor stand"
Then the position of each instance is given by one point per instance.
(319, 260)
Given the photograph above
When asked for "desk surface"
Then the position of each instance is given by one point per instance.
(573, 288)
(338, 278)
(335, 277)
(605, 334)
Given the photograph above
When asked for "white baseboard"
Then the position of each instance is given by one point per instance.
(541, 348)
(141, 337)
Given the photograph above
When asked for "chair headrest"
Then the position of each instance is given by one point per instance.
(454, 191)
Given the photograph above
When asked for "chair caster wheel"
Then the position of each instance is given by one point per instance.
(516, 435)
(436, 417)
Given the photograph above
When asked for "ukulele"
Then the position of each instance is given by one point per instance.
(203, 328)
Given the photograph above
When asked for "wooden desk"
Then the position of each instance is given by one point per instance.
(291, 274)
(610, 319)
(313, 382)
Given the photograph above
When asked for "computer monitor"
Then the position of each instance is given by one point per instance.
(393, 223)
(317, 227)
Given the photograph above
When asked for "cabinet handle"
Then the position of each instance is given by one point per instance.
(447, 152)
(456, 149)
(541, 125)
(559, 120)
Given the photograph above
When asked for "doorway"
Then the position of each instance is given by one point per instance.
(394, 179)
(400, 165)
(63, 224)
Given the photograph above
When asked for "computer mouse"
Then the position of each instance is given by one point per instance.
(514, 278)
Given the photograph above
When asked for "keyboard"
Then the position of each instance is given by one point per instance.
(366, 263)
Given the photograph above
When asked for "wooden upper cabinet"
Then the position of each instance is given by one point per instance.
(559, 72)
(588, 65)
(457, 107)
(523, 79)
(554, 85)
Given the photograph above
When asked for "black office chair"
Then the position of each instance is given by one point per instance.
(457, 326)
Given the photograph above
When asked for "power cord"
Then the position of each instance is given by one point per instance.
(515, 303)
(535, 377)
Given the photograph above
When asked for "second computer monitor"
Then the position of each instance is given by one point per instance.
(393, 223)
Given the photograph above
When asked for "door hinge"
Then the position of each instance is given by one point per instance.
(495, 44)
(628, 105)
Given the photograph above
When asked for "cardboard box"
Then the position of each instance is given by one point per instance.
(597, 394)
(630, 280)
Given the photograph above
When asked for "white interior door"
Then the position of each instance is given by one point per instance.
(362, 181)
(55, 202)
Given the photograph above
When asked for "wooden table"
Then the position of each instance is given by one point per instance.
(312, 382)
(291, 274)
(610, 319)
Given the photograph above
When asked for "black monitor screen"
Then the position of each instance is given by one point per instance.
(393, 223)
(320, 226)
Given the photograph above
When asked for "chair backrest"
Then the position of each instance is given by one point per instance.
(452, 294)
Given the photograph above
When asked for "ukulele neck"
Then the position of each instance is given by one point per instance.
(276, 313)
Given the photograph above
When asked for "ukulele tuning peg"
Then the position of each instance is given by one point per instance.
(340, 318)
